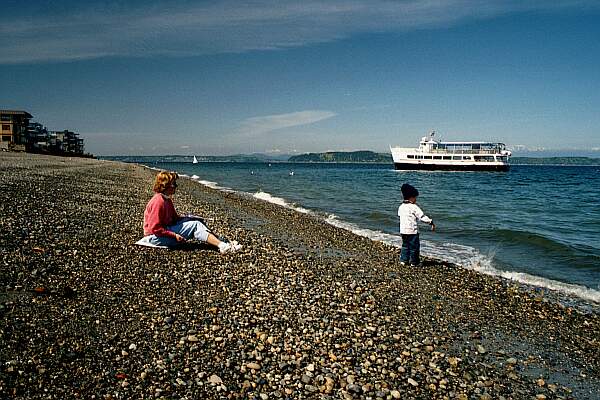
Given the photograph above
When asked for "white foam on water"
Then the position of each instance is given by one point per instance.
(195, 177)
(264, 196)
(210, 184)
(471, 258)
(485, 266)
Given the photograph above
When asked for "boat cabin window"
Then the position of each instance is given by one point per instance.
(427, 157)
(466, 157)
(411, 156)
(501, 158)
(457, 157)
(447, 157)
(419, 157)
(437, 157)
(484, 158)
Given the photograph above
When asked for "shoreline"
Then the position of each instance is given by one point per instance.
(565, 293)
(305, 309)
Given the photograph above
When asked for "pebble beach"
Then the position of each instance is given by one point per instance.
(305, 310)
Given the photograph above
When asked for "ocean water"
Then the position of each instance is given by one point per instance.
(538, 225)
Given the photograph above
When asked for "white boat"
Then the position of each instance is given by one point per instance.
(435, 154)
(195, 160)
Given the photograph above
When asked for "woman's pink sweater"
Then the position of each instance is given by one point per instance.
(160, 213)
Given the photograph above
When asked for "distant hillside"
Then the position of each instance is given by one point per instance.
(555, 160)
(364, 156)
(343, 156)
(240, 158)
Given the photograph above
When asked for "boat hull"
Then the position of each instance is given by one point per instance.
(450, 167)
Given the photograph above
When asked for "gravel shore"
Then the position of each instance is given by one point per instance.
(305, 310)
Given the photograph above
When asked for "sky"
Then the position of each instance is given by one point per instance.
(274, 76)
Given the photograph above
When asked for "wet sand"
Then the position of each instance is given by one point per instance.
(306, 310)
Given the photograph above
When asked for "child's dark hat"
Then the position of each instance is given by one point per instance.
(409, 191)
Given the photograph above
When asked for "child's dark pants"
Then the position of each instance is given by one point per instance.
(410, 249)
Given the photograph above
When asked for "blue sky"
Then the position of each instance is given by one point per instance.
(224, 77)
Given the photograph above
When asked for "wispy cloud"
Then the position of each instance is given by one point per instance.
(268, 123)
(178, 29)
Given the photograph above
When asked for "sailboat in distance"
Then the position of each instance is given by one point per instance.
(195, 160)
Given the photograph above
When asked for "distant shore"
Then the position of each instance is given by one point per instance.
(305, 309)
(341, 158)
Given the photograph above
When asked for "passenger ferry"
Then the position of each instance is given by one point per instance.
(434, 154)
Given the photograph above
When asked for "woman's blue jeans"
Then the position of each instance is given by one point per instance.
(186, 227)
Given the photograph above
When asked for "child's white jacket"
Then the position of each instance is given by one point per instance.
(410, 214)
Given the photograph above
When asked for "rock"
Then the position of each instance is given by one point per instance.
(511, 361)
(311, 388)
(192, 338)
(413, 382)
(481, 349)
(215, 380)
(395, 394)
(310, 367)
(253, 365)
(354, 388)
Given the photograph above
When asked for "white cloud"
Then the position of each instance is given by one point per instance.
(179, 29)
(268, 123)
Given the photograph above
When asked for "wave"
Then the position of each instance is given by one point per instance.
(463, 256)
(537, 243)
(264, 196)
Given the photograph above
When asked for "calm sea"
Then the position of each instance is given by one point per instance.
(535, 224)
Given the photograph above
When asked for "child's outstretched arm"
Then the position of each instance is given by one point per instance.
(421, 215)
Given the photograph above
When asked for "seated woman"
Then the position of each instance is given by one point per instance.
(166, 228)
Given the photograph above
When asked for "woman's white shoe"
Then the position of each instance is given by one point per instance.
(228, 248)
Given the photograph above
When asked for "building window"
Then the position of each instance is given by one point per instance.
(5, 127)
(6, 138)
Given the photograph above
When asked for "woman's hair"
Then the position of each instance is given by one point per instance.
(163, 180)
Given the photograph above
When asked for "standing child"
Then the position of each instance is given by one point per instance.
(409, 214)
